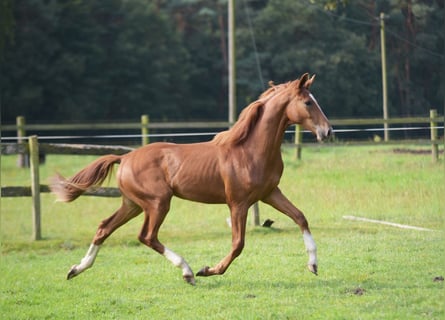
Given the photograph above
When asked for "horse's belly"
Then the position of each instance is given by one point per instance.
(200, 190)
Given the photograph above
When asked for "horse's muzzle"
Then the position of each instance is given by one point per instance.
(324, 133)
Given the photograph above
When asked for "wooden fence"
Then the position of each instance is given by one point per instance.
(433, 121)
(31, 148)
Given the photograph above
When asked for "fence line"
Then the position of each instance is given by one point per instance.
(32, 149)
(21, 126)
(195, 124)
(433, 121)
(202, 134)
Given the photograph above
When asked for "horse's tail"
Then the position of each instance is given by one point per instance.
(92, 175)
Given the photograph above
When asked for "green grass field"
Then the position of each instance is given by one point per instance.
(366, 270)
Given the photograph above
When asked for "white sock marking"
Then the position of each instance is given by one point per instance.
(178, 261)
(89, 258)
(311, 248)
(173, 257)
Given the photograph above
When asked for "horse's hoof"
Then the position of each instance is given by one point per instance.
(72, 273)
(189, 279)
(313, 268)
(204, 272)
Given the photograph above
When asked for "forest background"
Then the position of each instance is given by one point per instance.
(93, 60)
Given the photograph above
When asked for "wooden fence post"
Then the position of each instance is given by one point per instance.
(255, 214)
(433, 129)
(35, 186)
(298, 140)
(23, 158)
(145, 120)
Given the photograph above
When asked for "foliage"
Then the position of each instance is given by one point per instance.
(97, 61)
(321, 44)
(93, 60)
(6, 25)
(416, 74)
(367, 271)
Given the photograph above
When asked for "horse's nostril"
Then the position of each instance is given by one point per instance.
(329, 132)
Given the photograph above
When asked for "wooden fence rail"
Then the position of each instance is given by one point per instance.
(11, 192)
(145, 123)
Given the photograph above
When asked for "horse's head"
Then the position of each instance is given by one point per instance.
(303, 109)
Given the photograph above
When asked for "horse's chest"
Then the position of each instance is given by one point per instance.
(257, 177)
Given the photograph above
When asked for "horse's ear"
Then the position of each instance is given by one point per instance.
(302, 80)
(308, 83)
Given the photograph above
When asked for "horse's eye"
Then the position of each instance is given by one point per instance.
(308, 103)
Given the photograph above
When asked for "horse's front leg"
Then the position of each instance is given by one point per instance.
(277, 200)
(239, 219)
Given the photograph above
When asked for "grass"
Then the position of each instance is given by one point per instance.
(366, 271)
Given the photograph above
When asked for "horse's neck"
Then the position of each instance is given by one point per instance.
(268, 134)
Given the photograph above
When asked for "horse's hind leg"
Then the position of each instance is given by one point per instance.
(154, 216)
(126, 212)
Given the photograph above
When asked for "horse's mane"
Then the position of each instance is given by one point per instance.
(241, 129)
(248, 118)
(273, 88)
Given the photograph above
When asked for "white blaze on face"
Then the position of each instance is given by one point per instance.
(316, 102)
(313, 98)
(319, 129)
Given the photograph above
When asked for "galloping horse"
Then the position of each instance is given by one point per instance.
(239, 167)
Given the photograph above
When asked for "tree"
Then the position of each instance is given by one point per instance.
(307, 39)
(202, 25)
(6, 25)
(416, 57)
(342, 45)
(81, 60)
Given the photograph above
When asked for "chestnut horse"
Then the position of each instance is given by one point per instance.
(239, 167)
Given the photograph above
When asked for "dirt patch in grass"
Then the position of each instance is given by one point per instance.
(356, 291)
(413, 151)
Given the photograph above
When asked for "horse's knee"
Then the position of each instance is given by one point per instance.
(152, 243)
